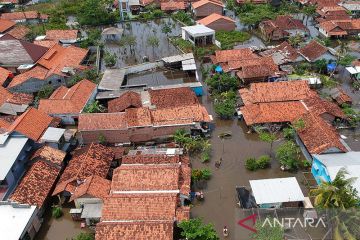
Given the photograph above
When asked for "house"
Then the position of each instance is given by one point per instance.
(172, 6)
(145, 116)
(53, 68)
(283, 54)
(58, 138)
(6, 25)
(68, 103)
(247, 65)
(340, 96)
(314, 51)
(18, 221)
(14, 152)
(340, 28)
(204, 8)
(5, 77)
(277, 192)
(88, 198)
(199, 35)
(14, 103)
(62, 36)
(112, 33)
(282, 27)
(326, 166)
(39, 181)
(218, 22)
(19, 32)
(25, 17)
(146, 197)
(352, 6)
(18, 52)
(93, 159)
(32, 124)
(331, 12)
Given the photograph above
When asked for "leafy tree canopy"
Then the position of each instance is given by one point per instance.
(195, 229)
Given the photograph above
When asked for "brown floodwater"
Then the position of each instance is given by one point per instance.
(59, 229)
(220, 204)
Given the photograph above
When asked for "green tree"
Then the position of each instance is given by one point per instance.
(166, 29)
(336, 194)
(110, 59)
(265, 231)
(223, 83)
(195, 229)
(84, 236)
(181, 137)
(45, 91)
(94, 107)
(93, 12)
(295, 40)
(289, 133)
(56, 212)
(320, 66)
(267, 137)
(225, 108)
(288, 155)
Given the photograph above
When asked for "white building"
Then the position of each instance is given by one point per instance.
(198, 34)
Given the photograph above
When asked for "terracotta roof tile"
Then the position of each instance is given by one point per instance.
(341, 97)
(148, 207)
(16, 16)
(275, 92)
(313, 50)
(32, 123)
(36, 185)
(19, 32)
(321, 106)
(285, 49)
(173, 97)
(318, 136)
(57, 35)
(182, 214)
(150, 159)
(262, 67)
(94, 159)
(49, 154)
(244, 54)
(272, 112)
(146, 177)
(172, 6)
(68, 100)
(36, 72)
(6, 25)
(45, 43)
(4, 75)
(212, 18)
(94, 186)
(138, 117)
(129, 99)
(160, 230)
(204, 2)
(96, 121)
(284, 22)
(58, 57)
(5, 95)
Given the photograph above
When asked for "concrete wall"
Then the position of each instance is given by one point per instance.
(86, 200)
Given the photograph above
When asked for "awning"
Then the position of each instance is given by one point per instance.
(353, 70)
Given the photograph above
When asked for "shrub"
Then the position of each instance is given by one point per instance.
(110, 59)
(289, 133)
(200, 174)
(250, 164)
(205, 156)
(84, 236)
(206, 174)
(263, 161)
(45, 92)
(288, 155)
(56, 212)
(229, 38)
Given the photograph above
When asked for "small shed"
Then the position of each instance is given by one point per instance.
(198, 35)
(91, 213)
(112, 34)
(277, 192)
(112, 79)
(53, 137)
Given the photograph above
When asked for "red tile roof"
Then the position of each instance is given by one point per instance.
(94, 159)
(272, 112)
(19, 32)
(36, 185)
(213, 18)
(160, 230)
(136, 117)
(320, 106)
(318, 136)
(32, 123)
(58, 57)
(127, 100)
(201, 3)
(146, 177)
(284, 23)
(173, 97)
(6, 25)
(45, 43)
(285, 49)
(222, 56)
(275, 92)
(4, 75)
(96, 121)
(120, 207)
(172, 5)
(57, 35)
(50, 155)
(313, 50)
(150, 159)
(37, 72)
(68, 100)
(16, 16)
(341, 97)
(94, 186)
(262, 67)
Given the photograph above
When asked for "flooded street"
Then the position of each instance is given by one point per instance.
(220, 205)
(59, 229)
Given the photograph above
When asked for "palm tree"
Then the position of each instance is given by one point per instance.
(181, 137)
(336, 194)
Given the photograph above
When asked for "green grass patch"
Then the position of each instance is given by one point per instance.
(229, 39)
(184, 45)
